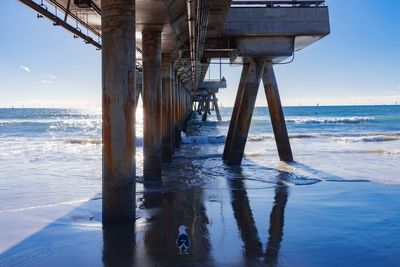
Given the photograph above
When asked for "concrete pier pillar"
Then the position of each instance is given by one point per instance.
(118, 88)
(177, 114)
(166, 108)
(152, 104)
(276, 113)
(206, 109)
(216, 108)
(245, 112)
(172, 123)
(235, 110)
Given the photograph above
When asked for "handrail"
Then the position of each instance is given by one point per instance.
(58, 21)
(279, 3)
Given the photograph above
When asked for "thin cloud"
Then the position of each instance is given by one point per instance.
(46, 76)
(46, 81)
(25, 68)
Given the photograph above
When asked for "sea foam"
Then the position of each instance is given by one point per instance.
(329, 120)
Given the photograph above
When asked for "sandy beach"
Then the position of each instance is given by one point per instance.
(336, 205)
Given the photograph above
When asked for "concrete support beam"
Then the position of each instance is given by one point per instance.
(177, 133)
(276, 113)
(245, 112)
(166, 108)
(215, 101)
(152, 103)
(118, 82)
(235, 111)
(172, 123)
(206, 108)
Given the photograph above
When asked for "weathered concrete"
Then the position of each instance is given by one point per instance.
(311, 23)
(245, 112)
(118, 70)
(152, 103)
(167, 144)
(206, 108)
(172, 122)
(276, 113)
(177, 134)
(235, 110)
(270, 47)
(216, 108)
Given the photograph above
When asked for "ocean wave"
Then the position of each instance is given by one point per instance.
(369, 139)
(259, 138)
(75, 141)
(329, 120)
(220, 139)
(380, 151)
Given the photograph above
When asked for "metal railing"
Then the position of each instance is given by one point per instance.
(278, 3)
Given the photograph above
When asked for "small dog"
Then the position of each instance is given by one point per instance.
(183, 241)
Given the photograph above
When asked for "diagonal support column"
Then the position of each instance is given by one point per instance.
(235, 110)
(245, 112)
(206, 108)
(276, 113)
(167, 149)
(118, 82)
(151, 94)
(216, 108)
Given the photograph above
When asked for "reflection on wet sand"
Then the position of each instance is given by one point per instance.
(244, 219)
(168, 211)
(118, 245)
(246, 224)
(276, 224)
(164, 212)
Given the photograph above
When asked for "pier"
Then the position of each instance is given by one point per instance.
(162, 51)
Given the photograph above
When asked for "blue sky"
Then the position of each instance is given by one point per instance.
(358, 63)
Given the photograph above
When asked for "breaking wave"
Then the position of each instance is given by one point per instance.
(329, 120)
(369, 139)
(220, 139)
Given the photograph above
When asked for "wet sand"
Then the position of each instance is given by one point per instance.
(231, 222)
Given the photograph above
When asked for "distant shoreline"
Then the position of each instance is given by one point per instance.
(381, 105)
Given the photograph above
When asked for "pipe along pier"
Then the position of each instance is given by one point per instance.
(162, 50)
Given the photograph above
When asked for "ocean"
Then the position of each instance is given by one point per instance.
(50, 166)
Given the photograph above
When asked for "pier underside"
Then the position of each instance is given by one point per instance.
(162, 50)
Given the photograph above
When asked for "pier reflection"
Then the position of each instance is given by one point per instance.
(169, 210)
(245, 220)
(119, 245)
(154, 243)
(246, 224)
(276, 224)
